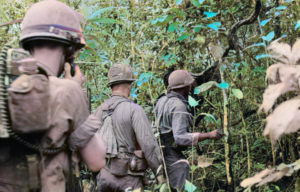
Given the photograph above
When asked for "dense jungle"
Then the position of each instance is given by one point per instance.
(224, 45)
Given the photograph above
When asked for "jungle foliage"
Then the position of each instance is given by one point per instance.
(156, 37)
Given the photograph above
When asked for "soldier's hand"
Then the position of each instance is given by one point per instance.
(78, 76)
(216, 134)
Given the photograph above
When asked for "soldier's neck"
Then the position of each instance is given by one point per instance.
(122, 89)
(51, 59)
(119, 93)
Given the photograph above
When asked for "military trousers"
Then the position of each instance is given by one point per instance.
(177, 172)
(107, 182)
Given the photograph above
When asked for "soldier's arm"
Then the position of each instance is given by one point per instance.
(80, 137)
(181, 121)
(90, 145)
(145, 137)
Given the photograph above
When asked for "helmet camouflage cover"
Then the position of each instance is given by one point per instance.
(120, 73)
(52, 20)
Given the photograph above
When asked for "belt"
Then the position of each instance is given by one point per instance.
(126, 150)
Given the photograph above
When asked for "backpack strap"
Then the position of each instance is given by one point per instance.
(109, 112)
(159, 117)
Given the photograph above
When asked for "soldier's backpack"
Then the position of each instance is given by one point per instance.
(119, 166)
(107, 130)
(24, 97)
(8, 73)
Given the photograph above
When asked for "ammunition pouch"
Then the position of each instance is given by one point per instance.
(33, 173)
(119, 167)
(124, 166)
(138, 161)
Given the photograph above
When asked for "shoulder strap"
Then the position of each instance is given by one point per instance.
(159, 115)
(108, 112)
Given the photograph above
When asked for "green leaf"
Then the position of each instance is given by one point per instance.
(177, 2)
(172, 26)
(263, 56)
(201, 1)
(205, 87)
(169, 18)
(245, 64)
(85, 10)
(166, 57)
(162, 18)
(104, 20)
(154, 21)
(198, 27)
(239, 5)
(256, 45)
(210, 117)
(91, 50)
(238, 93)
(196, 3)
(215, 25)
(264, 22)
(297, 25)
(97, 13)
(223, 85)
(216, 50)
(281, 8)
(269, 36)
(259, 69)
(204, 161)
(189, 187)
(182, 37)
(209, 14)
(164, 188)
(174, 10)
(193, 168)
(192, 102)
(200, 39)
(90, 36)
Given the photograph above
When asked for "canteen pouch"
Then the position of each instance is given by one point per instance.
(29, 98)
(138, 161)
(119, 167)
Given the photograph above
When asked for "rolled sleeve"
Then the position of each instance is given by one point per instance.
(181, 120)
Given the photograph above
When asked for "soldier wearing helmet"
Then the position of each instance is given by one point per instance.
(134, 147)
(175, 125)
(51, 32)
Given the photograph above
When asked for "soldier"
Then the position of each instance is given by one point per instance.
(51, 32)
(129, 139)
(175, 125)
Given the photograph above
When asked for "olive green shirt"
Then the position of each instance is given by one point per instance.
(176, 119)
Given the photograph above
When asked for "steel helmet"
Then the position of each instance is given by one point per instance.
(120, 73)
(179, 79)
(52, 20)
